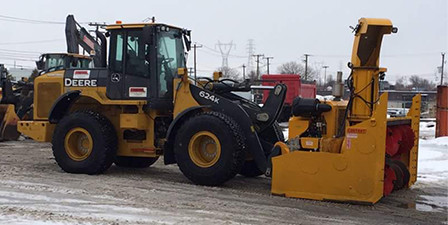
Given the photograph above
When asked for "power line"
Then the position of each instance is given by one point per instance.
(18, 65)
(209, 53)
(18, 59)
(31, 42)
(218, 52)
(416, 54)
(31, 21)
(19, 51)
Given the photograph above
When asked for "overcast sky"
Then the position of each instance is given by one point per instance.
(284, 30)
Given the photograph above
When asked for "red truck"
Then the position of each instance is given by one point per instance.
(296, 88)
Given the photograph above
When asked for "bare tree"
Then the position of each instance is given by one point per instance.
(291, 68)
(421, 84)
(297, 68)
(228, 72)
(252, 75)
(400, 84)
(414, 82)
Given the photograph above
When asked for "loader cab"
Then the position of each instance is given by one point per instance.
(50, 62)
(143, 60)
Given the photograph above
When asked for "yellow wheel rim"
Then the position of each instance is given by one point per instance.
(204, 149)
(78, 144)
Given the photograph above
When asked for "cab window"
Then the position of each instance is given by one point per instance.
(54, 61)
(170, 57)
(136, 50)
(116, 52)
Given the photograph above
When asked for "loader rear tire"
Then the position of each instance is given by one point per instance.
(84, 142)
(209, 148)
(271, 136)
(134, 162)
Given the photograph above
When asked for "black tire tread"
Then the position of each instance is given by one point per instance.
(250, 168)
(106, 157)
(238, 154)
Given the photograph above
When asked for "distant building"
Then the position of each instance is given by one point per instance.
(18, 73)
(402, 99)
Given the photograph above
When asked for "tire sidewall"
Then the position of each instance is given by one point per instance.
(227, 141)
(75, 120)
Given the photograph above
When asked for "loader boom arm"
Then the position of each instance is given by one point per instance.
(76, 36)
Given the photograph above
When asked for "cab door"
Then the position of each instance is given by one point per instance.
(129, 66)
(137, 66)
(115, 83)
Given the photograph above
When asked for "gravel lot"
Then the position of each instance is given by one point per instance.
(33, 189)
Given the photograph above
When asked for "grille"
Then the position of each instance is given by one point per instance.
(47, 93)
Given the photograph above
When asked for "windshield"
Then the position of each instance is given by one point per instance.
(86, 63)
(80, 63)
(54, 61)
(170, 57)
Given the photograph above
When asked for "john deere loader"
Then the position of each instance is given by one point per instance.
(349, 150)
(142, 105)
(17, 98)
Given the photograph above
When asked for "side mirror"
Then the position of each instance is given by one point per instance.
(148, 34)
(40, 64)
(187, 39)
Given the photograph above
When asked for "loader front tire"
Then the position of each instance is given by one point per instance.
(209, 148)
(134, 162)
(269, 137)
(84, 142)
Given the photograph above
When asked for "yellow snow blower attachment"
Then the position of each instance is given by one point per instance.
(348, 150)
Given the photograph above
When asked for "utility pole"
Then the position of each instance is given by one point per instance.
(325, 74)
(190, 71)
(443, 65)
(306, 65)
(258, 64)
(267, 61)
(244, 72)
(195, 46)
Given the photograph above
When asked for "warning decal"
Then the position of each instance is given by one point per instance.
(138, 92)
(81, 74)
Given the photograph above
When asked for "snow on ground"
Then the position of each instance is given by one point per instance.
(427, 129)
(433, 160)
(20, 220)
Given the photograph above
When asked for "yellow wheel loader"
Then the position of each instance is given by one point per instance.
(17, 98)
(349, 150)
(142, 105)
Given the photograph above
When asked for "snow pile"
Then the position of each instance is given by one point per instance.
(325, 97)
(433, 160)
(427, 129)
